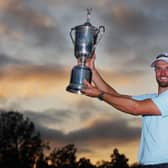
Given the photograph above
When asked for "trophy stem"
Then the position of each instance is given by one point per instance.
(82, 60)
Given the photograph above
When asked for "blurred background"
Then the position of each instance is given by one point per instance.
(37, 55)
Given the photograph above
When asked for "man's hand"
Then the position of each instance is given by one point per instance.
(90, 90)
(90, 62)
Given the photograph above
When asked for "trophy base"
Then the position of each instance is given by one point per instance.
(78, 75)
(74, 90)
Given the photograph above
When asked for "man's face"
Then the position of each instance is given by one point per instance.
(161, 71)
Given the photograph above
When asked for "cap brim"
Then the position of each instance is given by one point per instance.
(165, 59)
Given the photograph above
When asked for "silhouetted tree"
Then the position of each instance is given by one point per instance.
(104, 164)
(20, 144)
(64, 157)
(85, 163)
(42, 162)
(119, 160)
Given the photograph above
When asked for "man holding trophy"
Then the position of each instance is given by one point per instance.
(153, 108)
(153, 151)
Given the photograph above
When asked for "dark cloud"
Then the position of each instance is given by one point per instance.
(105, 131)
(99, 132)
(49, 116)
(6, 60)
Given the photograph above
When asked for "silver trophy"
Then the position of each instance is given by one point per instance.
(85, 39)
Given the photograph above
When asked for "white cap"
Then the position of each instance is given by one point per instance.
(160, 57)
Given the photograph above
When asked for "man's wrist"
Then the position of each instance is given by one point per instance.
(101, 95)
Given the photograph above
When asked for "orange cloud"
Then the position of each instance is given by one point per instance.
(29, 81)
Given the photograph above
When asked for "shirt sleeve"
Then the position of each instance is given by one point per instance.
(161, 102)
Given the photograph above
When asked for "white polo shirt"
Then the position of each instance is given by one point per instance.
(154, 135)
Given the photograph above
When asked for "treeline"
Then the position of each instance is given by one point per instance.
(21, 146)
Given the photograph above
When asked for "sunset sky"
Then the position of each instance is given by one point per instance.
(37, 55)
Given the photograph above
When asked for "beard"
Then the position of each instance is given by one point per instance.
(162, 84)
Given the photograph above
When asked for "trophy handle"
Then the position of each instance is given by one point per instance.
(99, 35)
(73, 41)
